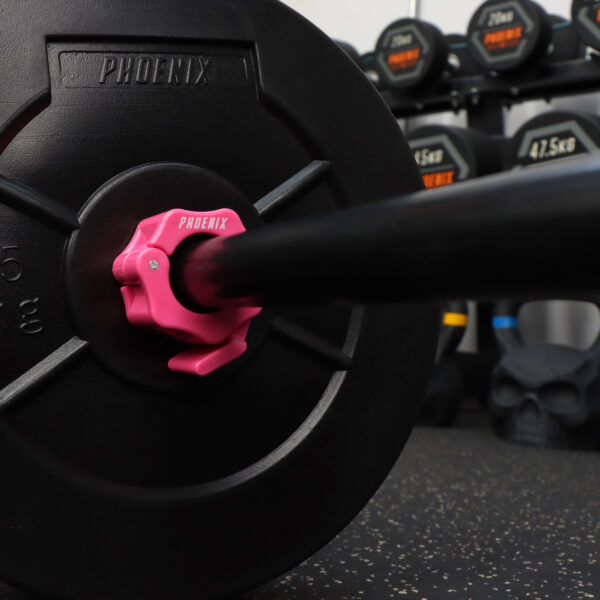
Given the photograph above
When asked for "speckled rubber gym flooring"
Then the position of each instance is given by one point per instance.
(462, 516)
(468, 516)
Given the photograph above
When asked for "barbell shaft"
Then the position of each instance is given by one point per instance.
(533, 233)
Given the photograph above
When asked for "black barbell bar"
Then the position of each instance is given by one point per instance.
(531, 233)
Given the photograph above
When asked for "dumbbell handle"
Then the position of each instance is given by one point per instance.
(528, 233)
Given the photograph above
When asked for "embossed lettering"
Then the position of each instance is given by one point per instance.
(11, 269)
(159, 71)
(125, 70)
(155, 70)
(175, 71)
(198, 69)
(109, 64)
(143, 70)
(203, 65)
(203, 223)
(30, 323)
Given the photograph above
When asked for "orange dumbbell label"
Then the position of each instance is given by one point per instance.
(504, 38)
(407, 59)
(433, 180)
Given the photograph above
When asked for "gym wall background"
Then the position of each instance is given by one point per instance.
(358, 22)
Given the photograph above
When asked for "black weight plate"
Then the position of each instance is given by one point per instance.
(566, 44)
(555, 135)
(447, 154)
(119, 478)
(410, 54)
(460, 60)
(509, 35)
(585, 15)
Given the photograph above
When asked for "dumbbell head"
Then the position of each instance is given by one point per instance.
(566, 44)
(509, 36)
(461, 62)
(585, 15)
(122, 477)
(369, 66)
(555, 135)
(411, 54)
(447, 155)
(350, 50)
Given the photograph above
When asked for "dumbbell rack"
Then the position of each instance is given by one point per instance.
(484, 98)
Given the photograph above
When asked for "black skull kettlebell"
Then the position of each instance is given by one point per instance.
(544, 395)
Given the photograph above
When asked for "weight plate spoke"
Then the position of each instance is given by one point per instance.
(34, 321)
(311, 344)
(33, 203)
(290, 190)
(41, 373)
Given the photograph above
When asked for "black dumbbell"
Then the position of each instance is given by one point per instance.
(566, 44)
(585, 15)
(369, 66)
(555, 135)
(461, 62)
(446, 154)
(350, 50)
(411, 54)
(510, 38)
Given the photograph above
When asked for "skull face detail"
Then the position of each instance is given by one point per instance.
(547, 395)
